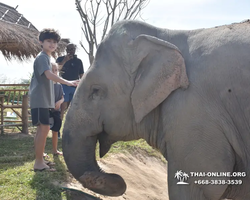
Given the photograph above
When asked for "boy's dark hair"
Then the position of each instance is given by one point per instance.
(49, 33)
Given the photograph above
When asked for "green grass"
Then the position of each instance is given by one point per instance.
(135, 146)
(19, 181)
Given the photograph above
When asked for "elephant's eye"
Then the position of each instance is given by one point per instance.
(96, 93)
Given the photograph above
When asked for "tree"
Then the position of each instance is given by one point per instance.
(97, 14)
(181, 176)
(3, 78)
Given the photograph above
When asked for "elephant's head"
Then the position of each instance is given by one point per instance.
(131, 75)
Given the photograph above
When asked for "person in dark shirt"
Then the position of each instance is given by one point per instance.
(71, 68)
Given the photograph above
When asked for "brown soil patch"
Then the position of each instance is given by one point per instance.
(146, 178)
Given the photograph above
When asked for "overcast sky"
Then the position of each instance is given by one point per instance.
(172, 14)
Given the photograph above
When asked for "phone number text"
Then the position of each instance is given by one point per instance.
(218, 182)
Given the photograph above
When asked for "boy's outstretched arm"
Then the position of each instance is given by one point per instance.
(53, 77)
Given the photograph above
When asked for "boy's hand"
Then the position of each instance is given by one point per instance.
(57, 105)
(73, 83)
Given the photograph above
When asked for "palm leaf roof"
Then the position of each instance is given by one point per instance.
(19, 37)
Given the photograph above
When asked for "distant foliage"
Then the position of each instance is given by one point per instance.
(12, 93)
(3, 78)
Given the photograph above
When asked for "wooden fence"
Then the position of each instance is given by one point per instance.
(14, 97)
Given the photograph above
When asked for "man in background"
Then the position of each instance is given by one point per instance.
(71, 68)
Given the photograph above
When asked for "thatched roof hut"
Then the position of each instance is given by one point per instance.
(19, 37)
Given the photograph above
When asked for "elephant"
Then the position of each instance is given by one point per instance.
(186, 92)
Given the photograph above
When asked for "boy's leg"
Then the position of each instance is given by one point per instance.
(40, 118)
(55, 129)
(45, 155)
(54, 143)
(40, 141)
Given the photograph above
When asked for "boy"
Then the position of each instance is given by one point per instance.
(41, 92)
(55, 112)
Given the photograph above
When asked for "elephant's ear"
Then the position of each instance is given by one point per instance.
(160, 69)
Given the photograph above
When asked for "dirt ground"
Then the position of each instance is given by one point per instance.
(146, 178)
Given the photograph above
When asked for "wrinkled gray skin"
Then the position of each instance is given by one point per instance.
(187, 93)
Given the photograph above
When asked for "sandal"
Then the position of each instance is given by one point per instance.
(49, 163)
(45, 169)
(45, 155)
(58, 153)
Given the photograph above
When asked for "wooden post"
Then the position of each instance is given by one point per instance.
(2, 109)
(25, 106)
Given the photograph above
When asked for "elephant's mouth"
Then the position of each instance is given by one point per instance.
(104, 143)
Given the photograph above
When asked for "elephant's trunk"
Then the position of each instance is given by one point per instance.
(79, 155)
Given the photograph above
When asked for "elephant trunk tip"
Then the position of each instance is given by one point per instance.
(103, 183)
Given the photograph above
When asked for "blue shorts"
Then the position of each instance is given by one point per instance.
(68, 92)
